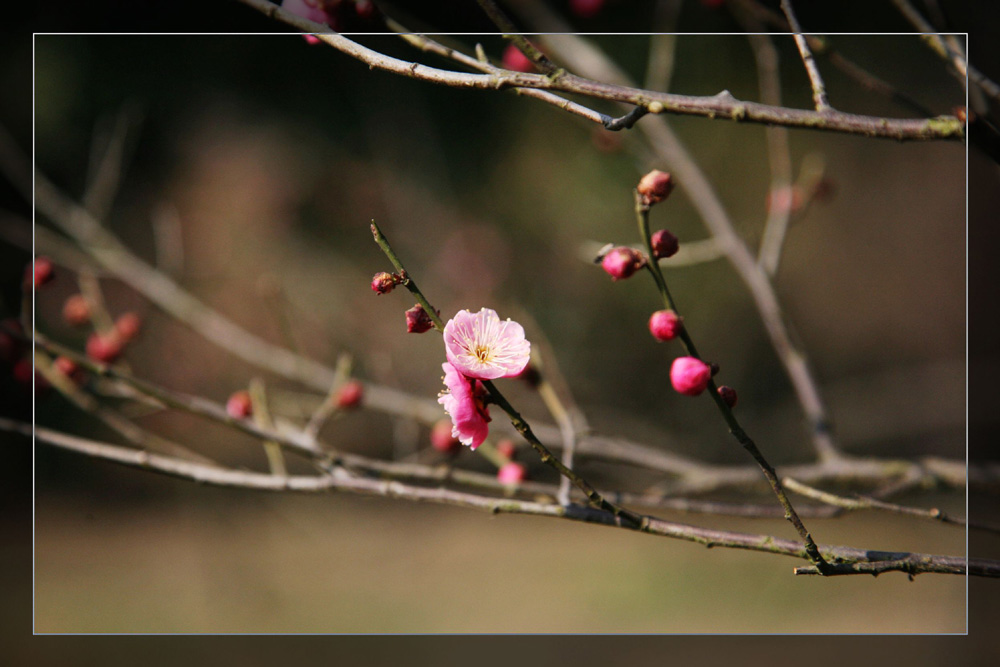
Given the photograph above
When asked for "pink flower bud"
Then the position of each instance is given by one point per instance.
(622, 262)
(728, 395)
(655, 186)
(76, 310)
(104, 347)
(40, 273)
(689, 376)
(418, 321)
(239, 405)
(586, 9)
(383, 283)
(127, 326)
(69, 368)
(350, 395)
(664, 244)
(514, 60)
(664, 325)
(511, 473)
(442, 438)
(506, 448)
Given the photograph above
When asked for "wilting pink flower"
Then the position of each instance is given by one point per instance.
(690, 376)
(514, 59)
(622, 262)
(484, 347)
(664, 325)
(464, 404)
(511, 473)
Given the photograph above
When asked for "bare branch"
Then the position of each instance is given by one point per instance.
(818, 87)
(721, 106)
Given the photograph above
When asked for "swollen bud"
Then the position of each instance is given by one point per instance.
(689, 375)
(383, 283)
(511, 473)
(105, 348)
(442, 438)
(41, 272)
(655, 186)
(728, 395)
(664, 244)
(418, 321)
(239, 405)
(622, 262)
(665, 325)
(76, 310)
(349, 396)
(127, 326)
(514, 59)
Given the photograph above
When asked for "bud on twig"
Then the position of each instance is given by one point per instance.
(622, 262)
(418, 321)
(655, 186)
(665, 325)
(664, 244)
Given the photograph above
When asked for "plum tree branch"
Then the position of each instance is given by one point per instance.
(720, 106)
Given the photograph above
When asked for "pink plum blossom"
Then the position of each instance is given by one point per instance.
(464, 404)
(482, 346)
(689, 375)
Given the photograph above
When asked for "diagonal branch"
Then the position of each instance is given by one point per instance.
(818, 87)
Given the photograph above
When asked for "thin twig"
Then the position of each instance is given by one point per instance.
(815, 80)
(642, 217)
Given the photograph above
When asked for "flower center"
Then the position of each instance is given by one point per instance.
(482, 352)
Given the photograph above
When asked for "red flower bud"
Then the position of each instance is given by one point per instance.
(689, 376)
(127, 326)
(665, 325)
(69, 368)
(586, 9)
(76, 310)
(514, 59)
(418, 321)
(442, 439)
(655, 186)
(40, 273)
(104, 347)
(350, 395)
(728, 395)
(383, 283)
(622, 262)
(664, 244)
(239, 405)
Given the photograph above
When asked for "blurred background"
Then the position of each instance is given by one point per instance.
(267, 157)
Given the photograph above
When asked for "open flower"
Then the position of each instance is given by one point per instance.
(464, 404)
(484, 347)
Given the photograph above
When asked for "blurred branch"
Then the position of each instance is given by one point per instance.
(843, 560)
(720, 106)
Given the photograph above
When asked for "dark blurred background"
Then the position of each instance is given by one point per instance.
(274, 155)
